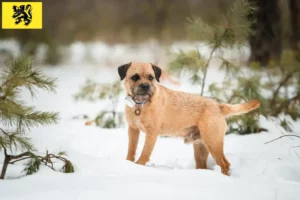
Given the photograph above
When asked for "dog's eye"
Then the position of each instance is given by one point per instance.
(135, 77)
(150, 78)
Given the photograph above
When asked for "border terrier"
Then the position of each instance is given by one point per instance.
(157, 110)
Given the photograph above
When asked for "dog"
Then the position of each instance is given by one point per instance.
(157, 110)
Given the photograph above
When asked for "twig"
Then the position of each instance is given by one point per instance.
(291, 148)
(297, 154)
(282, 137)
(46, 164)
(175, 163)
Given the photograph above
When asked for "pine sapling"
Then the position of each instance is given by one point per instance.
(16, 118)
(92, 91)
(275, 85)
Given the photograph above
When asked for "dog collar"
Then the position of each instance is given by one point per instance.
(131, 103)
(141, 103)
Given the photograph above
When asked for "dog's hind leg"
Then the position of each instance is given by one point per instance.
(200, 151)
(216, 150)
(213, 137)
(218, 155)
(200, 155)
(227, 163)
(133, 138)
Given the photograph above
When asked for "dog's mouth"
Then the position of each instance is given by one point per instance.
(141, 97)
(142, 93)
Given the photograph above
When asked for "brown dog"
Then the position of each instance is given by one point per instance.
(161, 111)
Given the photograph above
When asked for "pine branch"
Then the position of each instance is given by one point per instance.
(281, 84)
(4, 132)
(206, 68)
(216, 46)
(19, 72)
(234, 95)
(286, 103)
(5, 152)
(15, 141)
(10, 112)
(5, 164)
(235, 23)
(35, 118)
(36, 160)
(93, 91)
(47, 159)
(226, 37)
(238, 22)
(13, 157)
(18, 160)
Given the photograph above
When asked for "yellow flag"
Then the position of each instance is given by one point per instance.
(22, 15)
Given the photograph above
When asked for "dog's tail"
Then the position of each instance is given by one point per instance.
(238, 109)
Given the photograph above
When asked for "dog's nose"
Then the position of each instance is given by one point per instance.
(145, 86)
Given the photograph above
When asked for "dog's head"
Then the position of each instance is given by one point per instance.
(140, 80)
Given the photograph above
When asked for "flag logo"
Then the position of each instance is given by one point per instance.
(21, 15)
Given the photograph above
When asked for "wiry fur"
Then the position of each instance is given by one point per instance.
(197, 119)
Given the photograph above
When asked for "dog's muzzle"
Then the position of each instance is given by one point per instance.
(143, 89)
(142, 92)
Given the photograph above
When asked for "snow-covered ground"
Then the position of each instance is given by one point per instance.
(258, 170)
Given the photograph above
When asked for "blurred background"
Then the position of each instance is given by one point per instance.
(76, 23)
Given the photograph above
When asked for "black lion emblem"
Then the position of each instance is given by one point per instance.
(24, 13)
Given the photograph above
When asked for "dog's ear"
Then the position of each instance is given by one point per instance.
(123, 69)
(157, 72)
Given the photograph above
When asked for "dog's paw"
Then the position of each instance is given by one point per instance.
(141, 162)
(130, 159)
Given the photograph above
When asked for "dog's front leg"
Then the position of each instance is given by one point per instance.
(133, 138)
(148, 147)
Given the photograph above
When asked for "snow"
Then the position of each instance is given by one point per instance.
(103, 54)
(258, 170)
